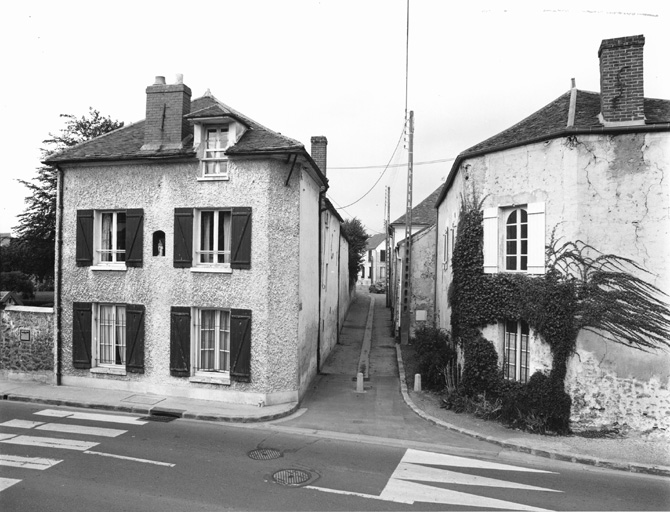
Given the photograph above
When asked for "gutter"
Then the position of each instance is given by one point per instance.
(565, 132)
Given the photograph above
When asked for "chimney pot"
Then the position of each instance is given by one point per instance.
(179, 78)
(160, 80)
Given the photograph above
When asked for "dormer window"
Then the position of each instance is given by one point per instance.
(214, 161)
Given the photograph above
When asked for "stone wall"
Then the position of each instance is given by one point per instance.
(26, 343)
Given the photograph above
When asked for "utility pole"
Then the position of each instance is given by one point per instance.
(407, 260)
(387, 225)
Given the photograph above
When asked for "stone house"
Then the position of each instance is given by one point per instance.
(593, 167)
(373, 268)
(188, 259)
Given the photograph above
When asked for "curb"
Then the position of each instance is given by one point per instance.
(649, 469)
(152, 411)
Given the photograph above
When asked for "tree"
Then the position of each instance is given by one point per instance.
(355, 233)
(37, 224)
(17, 282)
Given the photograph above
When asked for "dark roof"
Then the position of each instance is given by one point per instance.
(551, 121)
(424, 212)
(125, 143)
(375, 240)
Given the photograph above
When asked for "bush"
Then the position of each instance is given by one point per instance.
(17, 282)
(435, 355)
(378, 287)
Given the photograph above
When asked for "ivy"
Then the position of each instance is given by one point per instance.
(578, 291)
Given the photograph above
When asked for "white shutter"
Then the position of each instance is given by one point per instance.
(491, 250)
(536, 238)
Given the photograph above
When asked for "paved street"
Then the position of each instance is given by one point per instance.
(54, 458)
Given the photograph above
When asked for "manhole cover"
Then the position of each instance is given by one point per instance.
(291, 477)
(264, 454)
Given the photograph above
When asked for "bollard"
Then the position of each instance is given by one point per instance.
(359, 383)
(417, 382)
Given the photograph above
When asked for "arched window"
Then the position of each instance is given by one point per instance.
(516, 240)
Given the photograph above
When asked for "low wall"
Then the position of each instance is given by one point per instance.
(26, 343)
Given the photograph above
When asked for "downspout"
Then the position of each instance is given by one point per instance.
(339, 276)
(58, 308)
(437, 241)
(320, 322)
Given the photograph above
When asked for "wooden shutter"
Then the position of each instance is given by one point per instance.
(183, 237)
(240, 344)
(491, 242)
(82, 318)
(135, 338)
(134, 237)
(180, 341)
(536, 238)
(240, 238)
(84, 255)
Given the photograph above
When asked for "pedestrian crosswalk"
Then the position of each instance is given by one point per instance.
(34, 433)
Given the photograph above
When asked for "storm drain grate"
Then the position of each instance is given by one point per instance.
(291, 477)
(155, 417)
(264, 454)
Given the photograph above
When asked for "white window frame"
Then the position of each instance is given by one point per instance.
(518, 240)
(521, 344)
(220, 161)
(494, 221)
(222, 316)
(97, 237)
(217, 248)
(100, 366)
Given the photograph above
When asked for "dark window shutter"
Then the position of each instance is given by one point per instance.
(135, 338)
(82, 317)
(240, 238)
(180, 341)
(240, 344)
(84, 255)
(183, 237)
(134, 237)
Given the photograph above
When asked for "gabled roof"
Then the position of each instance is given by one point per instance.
(551, 121)
(424, 212)
(374, 241)
(125, 143)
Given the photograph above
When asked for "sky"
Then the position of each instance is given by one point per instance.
(306, 67)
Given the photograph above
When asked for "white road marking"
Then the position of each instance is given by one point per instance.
(404, 484)
(134, 459)
(7, 482)
(82, 429)
(21, 424)
(27, 462)
(6, 436)
(89, 416)
(50, 442)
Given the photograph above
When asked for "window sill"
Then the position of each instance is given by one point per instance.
(221, 380)
(108, 370)
(219, 177)
(212, 270)
(113, 268)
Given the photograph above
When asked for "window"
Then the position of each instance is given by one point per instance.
(210, 345)
(382, 255)
(515, 351)
(212, 341)
(214, 161)
(110, 238)
(514, 239)
(111, 335)
(213, 247)
(108, 338)
(212, 239)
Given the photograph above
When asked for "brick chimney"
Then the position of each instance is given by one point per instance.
(621, 81)
(319, 150)
(165, 126)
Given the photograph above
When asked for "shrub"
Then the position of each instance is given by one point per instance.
(435, 355)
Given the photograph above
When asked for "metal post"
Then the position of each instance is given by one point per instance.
(407, 264)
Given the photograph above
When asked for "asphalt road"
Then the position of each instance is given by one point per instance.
(61, 459)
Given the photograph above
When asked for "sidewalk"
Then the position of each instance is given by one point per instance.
(385, 410)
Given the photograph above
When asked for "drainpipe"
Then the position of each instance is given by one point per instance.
(320, 323)
(437, 266)
(58, 309)
(339, 275)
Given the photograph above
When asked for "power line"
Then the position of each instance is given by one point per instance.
(402, 134)
(427, 162)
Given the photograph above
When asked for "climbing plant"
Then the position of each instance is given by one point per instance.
(582, 289)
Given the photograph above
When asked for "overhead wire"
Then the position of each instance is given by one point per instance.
(381, 175)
